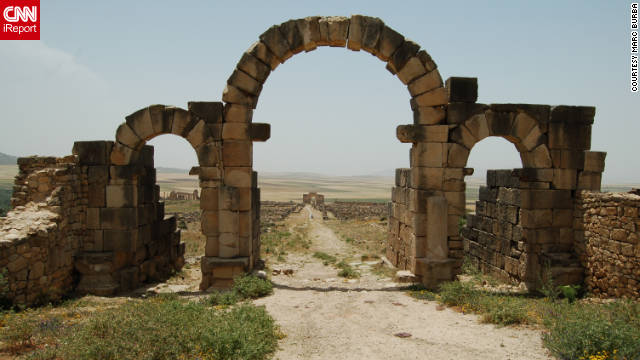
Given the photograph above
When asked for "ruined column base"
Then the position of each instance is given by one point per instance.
(97, 284)
(218, 273)
(434, 272)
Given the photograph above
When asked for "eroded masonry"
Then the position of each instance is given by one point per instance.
(93, 222)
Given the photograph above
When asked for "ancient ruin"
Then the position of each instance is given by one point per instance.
(94, 222)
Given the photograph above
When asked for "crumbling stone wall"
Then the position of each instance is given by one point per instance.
(272, 211)
(608, 242)
(45, 229)
(500, 237)
(361, 210)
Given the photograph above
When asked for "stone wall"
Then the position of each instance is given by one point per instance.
(361, 210)
(45, 229)
(608, 242)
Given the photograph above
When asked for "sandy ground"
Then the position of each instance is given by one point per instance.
(327, 317)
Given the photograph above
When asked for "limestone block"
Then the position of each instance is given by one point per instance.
(427, 178)
(160, 122)
(433, 97)
(463, 136)
(260, 132)
(277, 43)
(530, 174)
(120, 240)
(209, 199)
(428, 115)
(564, 179)
(477, 126)
(453, 179)
(261, 52)
(523, 124)
(129, 174)
(569, 136)
(538, 158)
(233, 95)
(437, 230)
(458, 112)
(422, 133)
(427, 61)
(371, 35)
(337, 28)
(412, 70)
(536, 218)
(425, 82)
(199, 134)
(210, 222)
(244, 224)
(140, 123)
(212, 246)
(244, 82)
(562, 218)
(182, 122)
(356, 29)
(575, 115)
(127, 137)
(93, 218)
(92, 152)
(255, 68)
(401, 56)
(429, 154)
(589, 180)
(236, 131)
(457, 155)
(237, 153)
(208, 155)
(209, 111)
(499, 123)
(209, 173)
(390, 40)
(215, 130)
(292, 35)
(119, 196)
(309, 28)
(238, 176)
(234, 113)
(546, 199)
(229, 221)
(594, 161)
(461, 89)
(568, 159)
(118, 218)
(235, 198)
(456, 201)
(229, 246)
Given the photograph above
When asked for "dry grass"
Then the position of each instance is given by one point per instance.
(369, 236)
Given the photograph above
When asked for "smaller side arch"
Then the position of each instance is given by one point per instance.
(203, 132)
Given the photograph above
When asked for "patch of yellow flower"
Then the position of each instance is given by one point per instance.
(602, 355)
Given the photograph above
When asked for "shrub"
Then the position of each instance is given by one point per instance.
(347, 271)
(583, 331)
(168, 328)
(252, 287)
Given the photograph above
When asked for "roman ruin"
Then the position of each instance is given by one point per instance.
(92, 222)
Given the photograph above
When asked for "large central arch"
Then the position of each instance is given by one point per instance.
(413, 66)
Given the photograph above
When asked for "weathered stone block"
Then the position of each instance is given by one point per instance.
(210, 222)
(209, 111)
(401, 56)
(119, 196)
(277, 43)
(292, 35)
(199, 134)
(538, 157)
(309, 29)
(233, 95)
(569, 136)
(478, 126)
(589, 180)
(413, 69)
(261, 52)
(120, 240)
(238, 176)
(237, 113)
(435, 97)
(457, 155)
(118, 218)
(429, 154)
(254, 67)
(336, 29)
(126, 136)
(463, 136)
(594, 161)
(499, 123)
(572, 114)
(536, 218)
(461, 89)
(237, 153)
(260, 132)
(428, 115)
(182, 122)
(425, 82)
(564, 179)
(208, 157)
(427, 178)
(92, 152)
(422, 133)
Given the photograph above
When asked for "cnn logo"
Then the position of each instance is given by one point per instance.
(20, 20)
(16, 13)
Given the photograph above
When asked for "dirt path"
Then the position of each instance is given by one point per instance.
(328, 317)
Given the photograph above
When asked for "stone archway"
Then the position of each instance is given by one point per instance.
(414, 67)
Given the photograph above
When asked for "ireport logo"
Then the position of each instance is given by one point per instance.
(19, 19)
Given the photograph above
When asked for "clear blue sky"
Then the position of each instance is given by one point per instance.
(331, 110)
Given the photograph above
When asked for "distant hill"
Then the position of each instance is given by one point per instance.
(7, 159)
